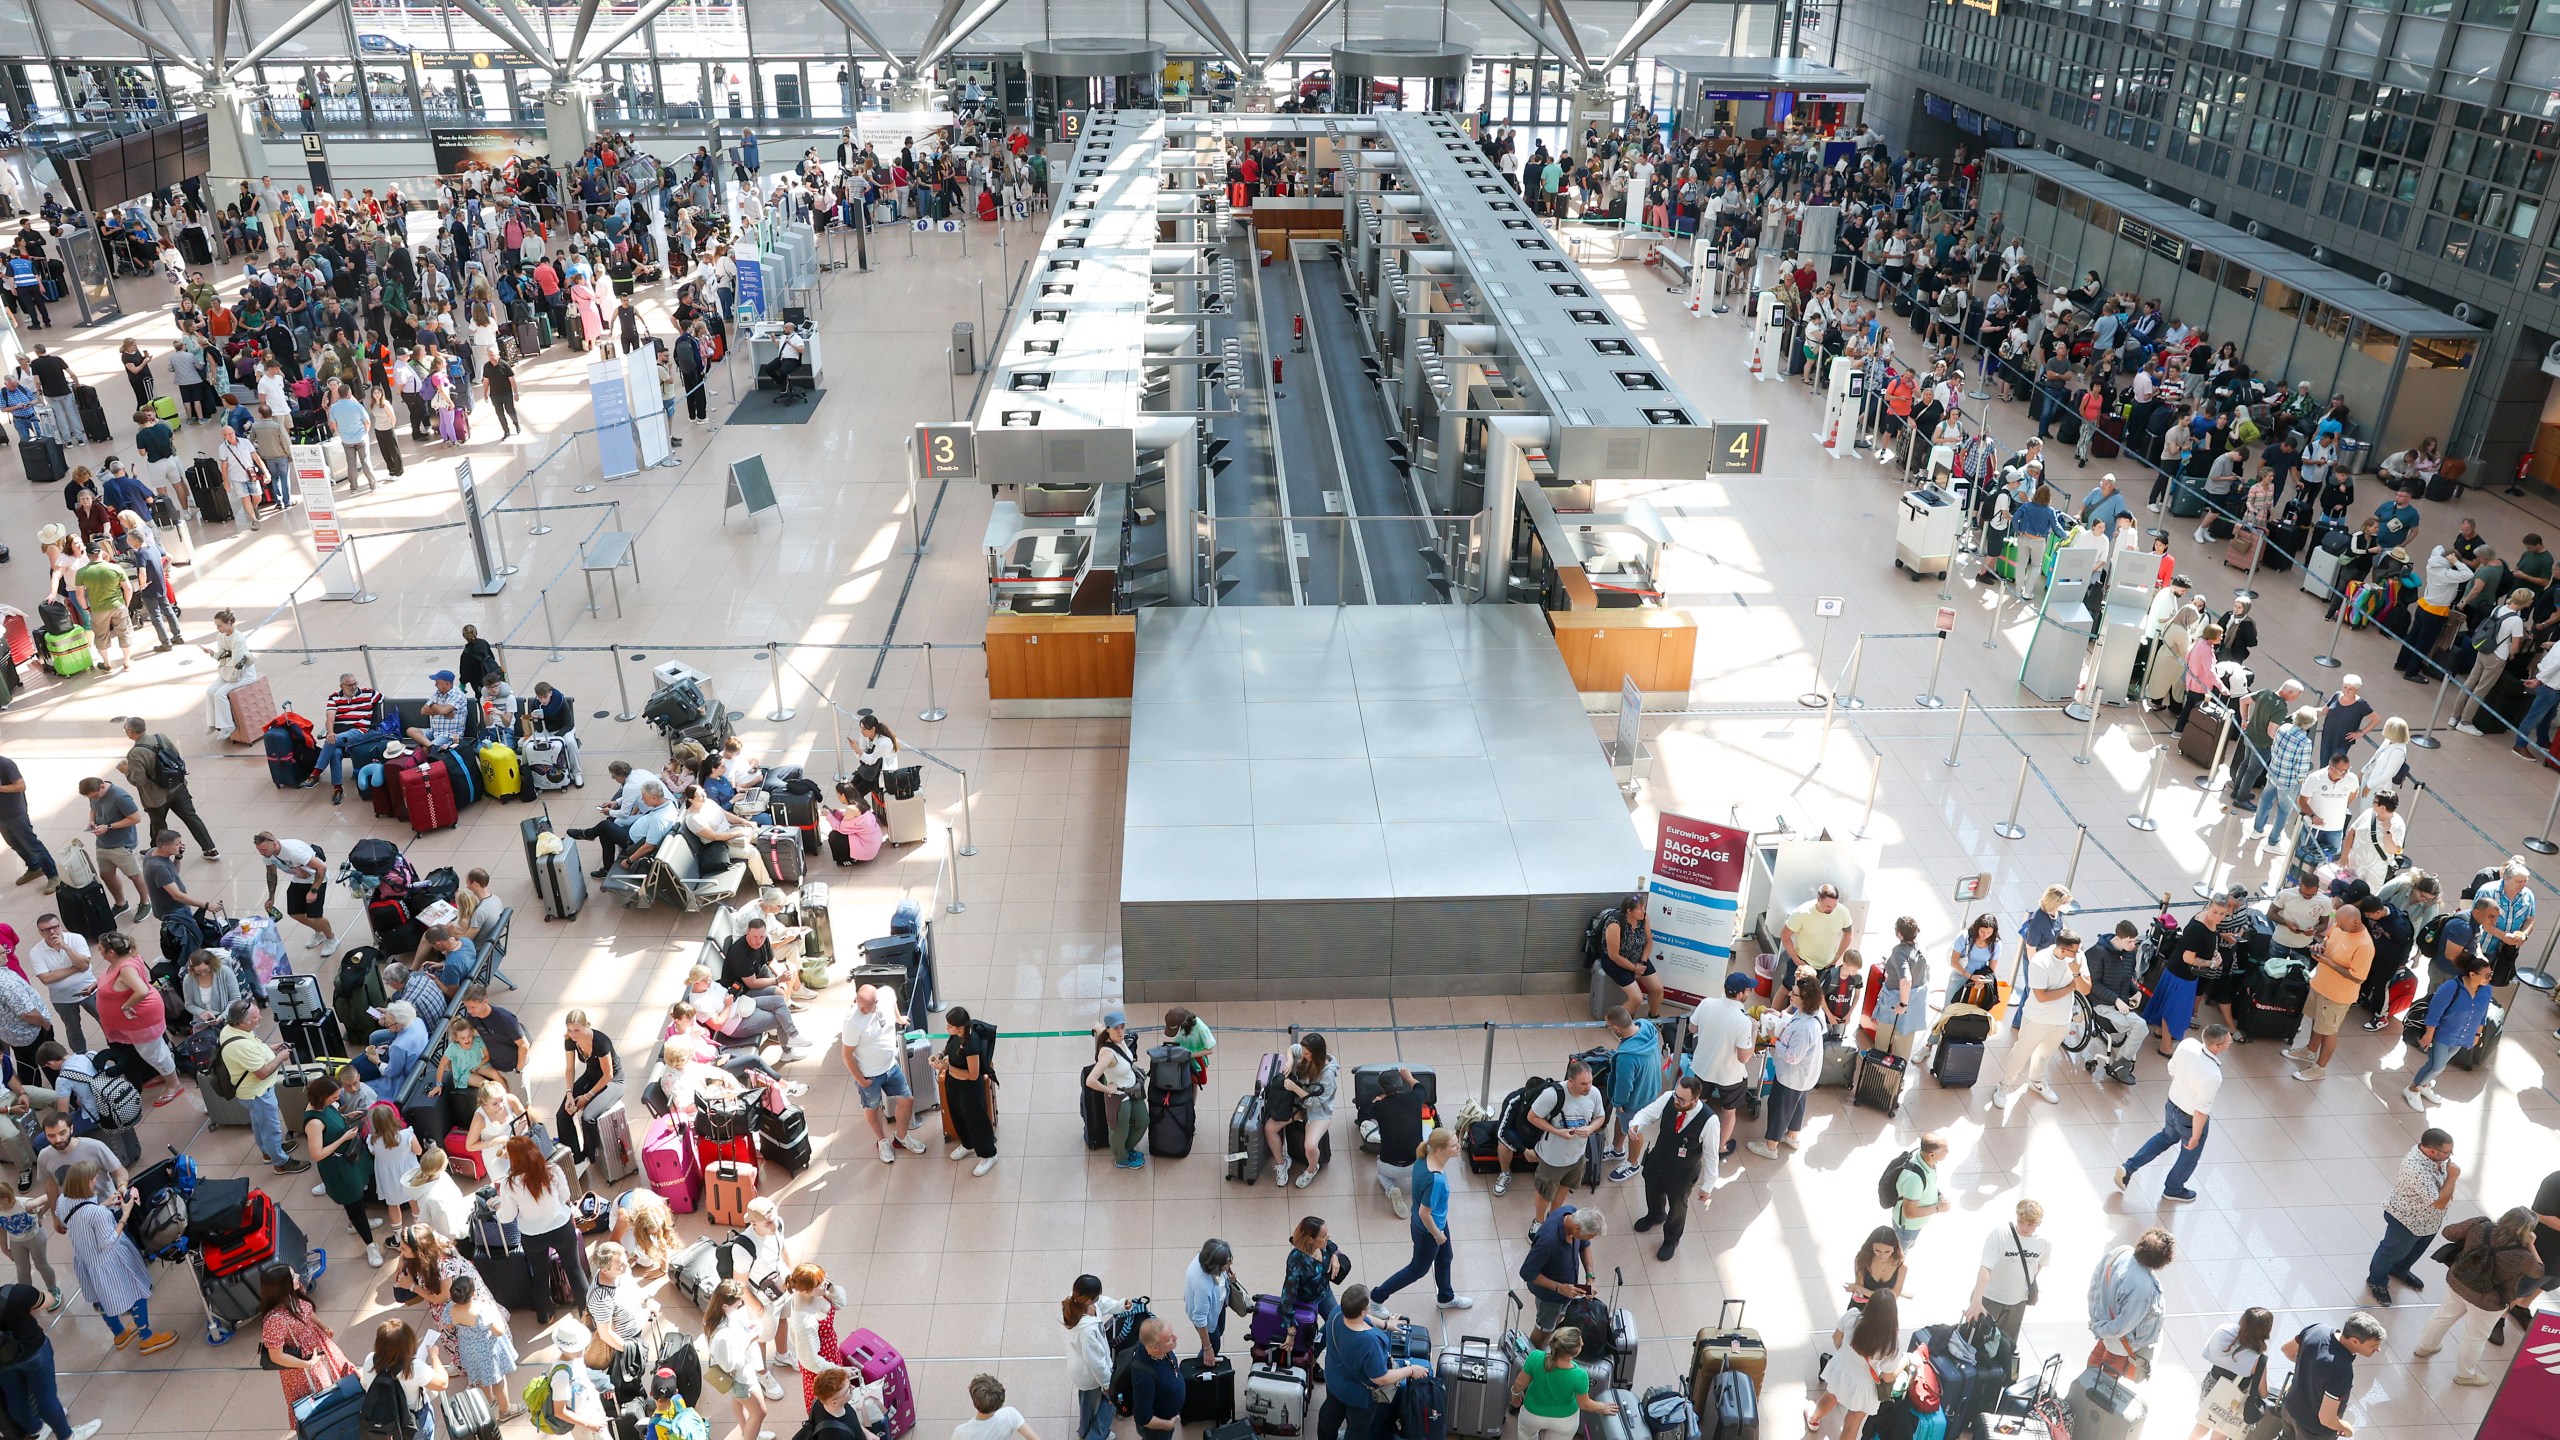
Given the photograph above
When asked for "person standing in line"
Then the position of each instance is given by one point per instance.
(968, 1091)
(20, 831)
(1815, 936)
(2055, 982)
(1155, 1383)
(1669, 1141)
(1432, 1247)
(1088, 1312)
(2195, 1080)
(2013, 1258)
(149, 760)
(91, 1211)
(2504, 631)
(1869, 1338)
(1727, 1037)
(1553, 1391)
(1396, 1111)
(29, 1382)
(1566, 1117)
(1360, 1383)
(993, 1419)
(874, 1050)
(2339, 964)
(253, 1067)
(1113, 1075)
(2125, 1310)
(2496, 1265)
(2451, 1019)
(59, 959)
(115, 828)
(1902, 999)
(2324, 1371)
(1916, 1191)
(1797, 1052)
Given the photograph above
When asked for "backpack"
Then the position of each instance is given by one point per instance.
(1595, 936)
(1120, 1332)
(168, 767)
(219, 1076)
(1889, 1184)
(119, 1103)
(537, 1402)
(384, 1413)
(2431, 939)
(1515, 1129)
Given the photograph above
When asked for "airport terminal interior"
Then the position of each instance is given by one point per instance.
(1286, 514)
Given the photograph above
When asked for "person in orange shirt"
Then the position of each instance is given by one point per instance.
(2338, 967)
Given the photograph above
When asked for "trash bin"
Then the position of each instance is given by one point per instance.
(2352, 454)
(964, 349)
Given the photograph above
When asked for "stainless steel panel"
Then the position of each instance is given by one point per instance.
(1586, 856)
(1338, 791)
(1325, 939)
(1187, 863)
(1214, 730)
(1189, 792)
(1319, 862)
(1440, 859)
(1316, 730)
(1419, 729)
(1409, 675)
(1423, 790)
(1297, 675)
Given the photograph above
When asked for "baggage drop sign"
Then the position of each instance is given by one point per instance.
(1695, 904)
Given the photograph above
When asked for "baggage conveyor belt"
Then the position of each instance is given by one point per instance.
(1351, 518)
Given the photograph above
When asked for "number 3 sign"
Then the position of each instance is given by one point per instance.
(949, 451)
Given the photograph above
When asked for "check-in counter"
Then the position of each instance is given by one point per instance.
(1061, 665)
(1298, 217)
(1602, 648)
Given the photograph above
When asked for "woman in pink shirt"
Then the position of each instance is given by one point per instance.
(2200, 678)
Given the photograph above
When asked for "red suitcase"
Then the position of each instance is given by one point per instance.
(741, 1149)
(428, 796)
(389, 799)
(22, 640)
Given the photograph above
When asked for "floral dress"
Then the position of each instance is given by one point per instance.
(488, 1351)
(293, 1326)
(440, 1312)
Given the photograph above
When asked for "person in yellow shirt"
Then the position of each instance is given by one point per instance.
(2338, 966)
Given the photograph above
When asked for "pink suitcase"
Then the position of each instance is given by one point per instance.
(667, 1158)
(878, 1360)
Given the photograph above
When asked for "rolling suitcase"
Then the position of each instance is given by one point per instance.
(333, 1414)
(673, 1170)
(1625, 1425)
(2110, 437)
(906, 820)
(309, 1026)
(220, 1112)
(1275, 1399)
(559, 881)
(2320, 572)
(1208, 1391)
(2484, 1048)
(500, 774)
(728, 1186)
(877, 1362)
(920, 1076)
(2242, 552)
(614, 1157)
(1727, 1345)
(1247, 1148)
(1878, 1084)
(1475, 1378)
(1958, 1066)
(427, 795)
(1732, 1411)
(2104, 1408)
(42, 459)
(2197, 742)
(204, 481)
(783, 853)
(93, 415)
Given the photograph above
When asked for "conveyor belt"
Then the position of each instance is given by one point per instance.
(1329, 563)
(1244, 497)
(1392, 538)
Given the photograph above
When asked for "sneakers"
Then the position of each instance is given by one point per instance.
(1502, 1183)
(2045, 1088)
(293, 1166)
(373, 1256)
(316, 1189)
(983, 1166)
(2310, 1072)
(1622, 1174)
(1761, 1148)
(959, 1152)
(1280, 1176)
(1306, 1178)
(1619, 1154)
(2457, 1379)
(85, 1429)
(1134, 1162)
(2424, 1352)
(912, 1143)
(2178, 1195)
(337, 794)
(2465, 727)
(316, 942)
(2429, 1090)
(1399, 1202)
(1458, 1302)
(888, 1153)
(1792, 1141)
(2381, 1293)
(2124, 1177)
(2297, 1052)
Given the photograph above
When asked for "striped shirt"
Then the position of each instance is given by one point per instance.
(352, 712)
(2289, 759)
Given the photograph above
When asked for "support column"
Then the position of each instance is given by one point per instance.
(1591, 101)
(569, 122)
(231, 132)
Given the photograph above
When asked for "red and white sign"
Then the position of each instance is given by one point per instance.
(1695, 904)
(2527, 1405)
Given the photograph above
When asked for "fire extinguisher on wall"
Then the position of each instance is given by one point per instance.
(2524, 471)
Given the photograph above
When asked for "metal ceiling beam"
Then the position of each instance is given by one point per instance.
(942, 19)
(854, 21)
(1529, 25)
(1648, 25)
(648, 11)
(506, 30)
(1199, 17)
(147, 38)
(965, 27)
(1564, 27)
(578, 34)
(1307, 19)
(186, 36)
(221, 32)
(536, 43)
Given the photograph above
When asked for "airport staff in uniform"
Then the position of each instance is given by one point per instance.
(1672, 1141)
(787, 356)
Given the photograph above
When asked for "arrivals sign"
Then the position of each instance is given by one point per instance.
(1695, 904)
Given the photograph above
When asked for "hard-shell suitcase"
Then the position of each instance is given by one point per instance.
(2186, 497)
(528, 337)
(500, 774)
(1247, 1148)
(466, 1414)
(2320, 573)
(2104, 1407)
(920, 1053)
(1957, 1065)
(1727, 1345)
(2242, 552)
(728, 1186)
(93, 415)
(166, 407)
(2110, 438)
(614, 1156)
(68, 652)
(906, 820)
(1626, 1424)
(336, 1413)
(427, 795)
(462, 777)
(204, 481)
(1475, 1376)
(559, 881)
(1732, 1409)
(1839, 1066)
(783, 853)
(1208, 1391)
(673, 1170)
(2204, 729)
(220, 1112)
(877, 1362)
(1275, 1399)
(1878, 1084)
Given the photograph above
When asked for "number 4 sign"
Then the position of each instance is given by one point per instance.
(947, 451)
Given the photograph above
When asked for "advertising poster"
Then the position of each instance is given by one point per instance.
(483, 147)
(319, 496)
(750, 282)
(2527, 1405)
(1695, 904)
(617, 449)
(648, 405)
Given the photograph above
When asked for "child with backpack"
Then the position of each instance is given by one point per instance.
(397, 1377)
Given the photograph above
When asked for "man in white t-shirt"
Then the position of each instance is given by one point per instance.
(2301, 914)
(2055, 982)
(2013, 1257)
(996, 1420)
(60, 962)
(1723, 1058)
(1564, 1119)
(875, 1050)
(2323, 802)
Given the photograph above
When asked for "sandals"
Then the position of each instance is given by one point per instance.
(167, 1094)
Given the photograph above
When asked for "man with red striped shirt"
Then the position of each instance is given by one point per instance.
(352, 711)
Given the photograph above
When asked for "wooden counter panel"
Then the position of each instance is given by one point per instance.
(1061, 657)
(1603, 647)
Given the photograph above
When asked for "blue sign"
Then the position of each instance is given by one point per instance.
(617, 445)
(751, 286)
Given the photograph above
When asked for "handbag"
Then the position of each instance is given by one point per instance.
(2232, 1406)
(1237, 1300)
(2024, 1268)
(2109, 1362)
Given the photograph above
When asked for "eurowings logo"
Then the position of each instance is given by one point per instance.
(2545, 1357)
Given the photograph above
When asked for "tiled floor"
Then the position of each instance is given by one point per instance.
(963, 1273)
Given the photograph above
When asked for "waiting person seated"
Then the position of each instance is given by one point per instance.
(854, 832)
(444, 715)
(395, 1050)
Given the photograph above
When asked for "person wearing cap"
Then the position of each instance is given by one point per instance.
(1722, 1056)
(577, 1399)
(444, 715)
(1114, 1076)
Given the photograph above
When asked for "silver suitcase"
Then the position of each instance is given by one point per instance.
(920, 1076)
(1622, 1426)
(219, 1112)
(614, 1158)
(1275, 1400)
(1475, 1378)
(2104, 1407)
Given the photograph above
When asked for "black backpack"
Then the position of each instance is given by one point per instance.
(168, 767)
(1889, 1184)
(1516, 1131)
(1595, 936)
(1121, 1333)
(2431, 938)
(384, 1413)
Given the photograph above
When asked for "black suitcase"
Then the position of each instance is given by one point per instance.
(2186, 497)
(1878, 1084)
(204, 481)
(2478, 1054)
(1096, 1112)
(793, 1156)
(1957, 1066)
(42, 459)
(528, 337)
(782, 1127)
(93, 415)
(517, 1281)
(1209, 1392)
